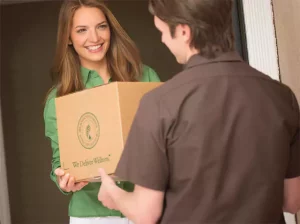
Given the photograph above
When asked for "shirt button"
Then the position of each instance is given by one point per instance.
(118, 182)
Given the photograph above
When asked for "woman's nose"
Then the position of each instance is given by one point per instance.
(94, 36)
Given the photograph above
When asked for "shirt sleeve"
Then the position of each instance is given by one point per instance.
(52, 135)
(149, 75)
(144, 160)
(294, 163)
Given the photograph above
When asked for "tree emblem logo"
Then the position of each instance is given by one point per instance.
(88, 130)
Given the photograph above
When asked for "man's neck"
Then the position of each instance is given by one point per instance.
(190, 53)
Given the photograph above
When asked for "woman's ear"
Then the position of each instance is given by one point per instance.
(70, 42)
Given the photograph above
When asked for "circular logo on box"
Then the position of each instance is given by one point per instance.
(88, 130)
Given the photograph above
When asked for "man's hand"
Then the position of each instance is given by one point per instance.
(67, 182)
(291, 201)
(106, 189)
(143, 205)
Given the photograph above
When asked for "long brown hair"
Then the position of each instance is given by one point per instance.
(210, 22)
(123, 58)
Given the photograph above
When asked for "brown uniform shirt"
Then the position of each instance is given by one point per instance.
(219, 139)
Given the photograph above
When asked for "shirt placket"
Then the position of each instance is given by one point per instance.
(96, 79)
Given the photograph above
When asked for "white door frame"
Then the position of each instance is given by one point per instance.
(261, 36)
(4, 200)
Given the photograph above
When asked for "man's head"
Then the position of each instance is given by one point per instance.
(194, 26)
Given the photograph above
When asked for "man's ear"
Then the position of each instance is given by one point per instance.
(185, 32)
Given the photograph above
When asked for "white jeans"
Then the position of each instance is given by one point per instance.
(100, 220)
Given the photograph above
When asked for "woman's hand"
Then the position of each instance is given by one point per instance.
(67, 182)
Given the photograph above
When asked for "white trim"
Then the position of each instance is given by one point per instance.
(261, 38)
(4, 200)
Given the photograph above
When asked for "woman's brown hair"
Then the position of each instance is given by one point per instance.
(123, 58)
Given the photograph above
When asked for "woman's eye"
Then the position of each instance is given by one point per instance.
(103, 26)
(81, 30)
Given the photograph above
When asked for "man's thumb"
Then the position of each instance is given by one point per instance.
(102, 173)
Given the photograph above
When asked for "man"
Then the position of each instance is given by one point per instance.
(218, 143)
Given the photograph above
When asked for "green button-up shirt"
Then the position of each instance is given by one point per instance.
(84, 203)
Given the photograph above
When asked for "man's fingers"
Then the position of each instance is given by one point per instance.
(108, 202)
(109, 205)
(102, 173)
(104, 176)
(99, 197)
(59, 172)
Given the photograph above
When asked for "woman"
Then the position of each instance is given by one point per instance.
(92, 49)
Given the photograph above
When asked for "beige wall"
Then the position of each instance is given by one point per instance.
(287, 23)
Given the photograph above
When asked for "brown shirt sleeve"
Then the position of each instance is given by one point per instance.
(294, 163)
(144, 160)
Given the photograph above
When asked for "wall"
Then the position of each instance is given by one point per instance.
(27, 41)
(287, 23)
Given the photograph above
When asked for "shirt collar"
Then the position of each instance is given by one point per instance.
(197, 59)
(85, 73)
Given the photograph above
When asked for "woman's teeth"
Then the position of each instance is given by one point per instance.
(94, 47)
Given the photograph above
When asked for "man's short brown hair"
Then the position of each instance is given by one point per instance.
(210, 22)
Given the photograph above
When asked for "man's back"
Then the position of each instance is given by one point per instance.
(229, 136)
(218, 143)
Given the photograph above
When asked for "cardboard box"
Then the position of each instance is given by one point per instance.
(93, 125)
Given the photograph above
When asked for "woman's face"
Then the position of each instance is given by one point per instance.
(90, 35)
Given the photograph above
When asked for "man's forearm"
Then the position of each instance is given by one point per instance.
(127, 203)
(132, 206)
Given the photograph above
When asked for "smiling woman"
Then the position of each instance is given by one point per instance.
(92, 49)
(89, 35)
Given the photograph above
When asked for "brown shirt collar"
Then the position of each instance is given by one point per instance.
(197, 59)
